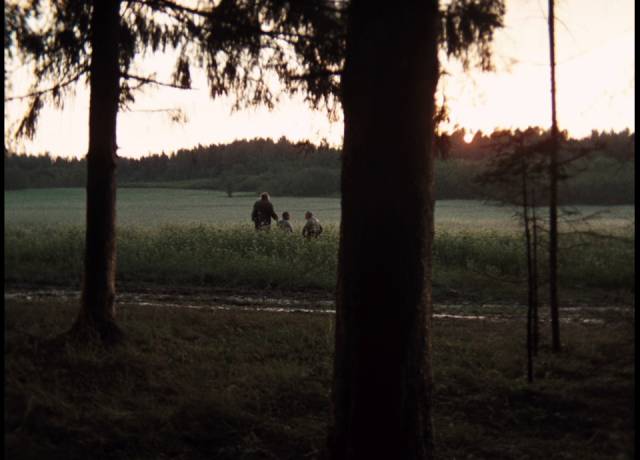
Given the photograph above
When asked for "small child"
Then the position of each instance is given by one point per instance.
(284, 224)
(312, 228)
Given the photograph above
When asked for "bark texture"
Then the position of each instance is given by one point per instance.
(381, 398)
(97, 314)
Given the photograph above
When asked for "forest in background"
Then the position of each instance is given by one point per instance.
(605, 175)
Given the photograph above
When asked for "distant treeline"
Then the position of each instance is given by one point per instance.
(604, 176)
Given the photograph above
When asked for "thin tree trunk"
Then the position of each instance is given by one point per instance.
(553, 195)
(534, 266)
(382, 388)
(530, 306)
(97, 314)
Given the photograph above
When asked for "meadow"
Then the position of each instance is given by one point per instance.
(152, 207)
(202, 238)
(201, 384)
(196, 383)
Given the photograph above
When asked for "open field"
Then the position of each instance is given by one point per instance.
(230, 377)
(153, 207)
(229, 384)
(182, 238)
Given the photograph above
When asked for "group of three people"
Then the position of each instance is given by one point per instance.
(263, 212)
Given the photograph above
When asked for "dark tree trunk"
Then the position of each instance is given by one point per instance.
(534, 266)
(97, 314)
(553, 194)
(530, 278)
(381, 399)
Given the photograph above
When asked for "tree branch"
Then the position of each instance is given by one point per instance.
(306, 76)
(57, 87)
(147, 80)
(171, 5)
(207, 14)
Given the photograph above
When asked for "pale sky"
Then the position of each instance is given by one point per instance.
(595, 83)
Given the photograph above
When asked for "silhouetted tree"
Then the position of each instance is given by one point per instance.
(97, 312)
(553, 194)
(232, 29)
(382, 383)
(381, 398)
(530, 276)
(535, 280)
(71, 39)
(518, 166)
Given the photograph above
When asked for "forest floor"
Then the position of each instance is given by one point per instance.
(224, 374)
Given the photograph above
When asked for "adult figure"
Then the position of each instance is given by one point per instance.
(263, 213)
(312, 227)
(284, 224)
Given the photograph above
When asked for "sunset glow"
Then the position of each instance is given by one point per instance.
(595, 80)
(468, 137)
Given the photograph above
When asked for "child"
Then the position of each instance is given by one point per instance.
(312, 229)
(284, 224)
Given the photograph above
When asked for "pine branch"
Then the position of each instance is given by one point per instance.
(52, 89)
(155, 4)
(310, 75)
(287, 36)
(147, 80)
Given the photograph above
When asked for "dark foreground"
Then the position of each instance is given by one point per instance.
(234, 382)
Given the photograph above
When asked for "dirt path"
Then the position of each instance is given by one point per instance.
(314, 302)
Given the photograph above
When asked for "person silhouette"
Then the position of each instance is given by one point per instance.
(312, 228)
(263, 212)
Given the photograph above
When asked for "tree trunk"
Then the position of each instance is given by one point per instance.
(97, 314)
(530, 278)
(381, 398)
(553, 194)
(534, 266)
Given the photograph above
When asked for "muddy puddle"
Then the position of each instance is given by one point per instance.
(297, 303)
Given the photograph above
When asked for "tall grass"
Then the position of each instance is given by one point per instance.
(197, 255)
(237, 256)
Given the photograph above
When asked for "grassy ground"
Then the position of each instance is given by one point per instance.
(483, 266)
(156, 207)
(152, 207)
(230, 384)
(195, 384)
(204, 238)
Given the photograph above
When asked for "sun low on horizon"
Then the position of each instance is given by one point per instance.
(595, 91)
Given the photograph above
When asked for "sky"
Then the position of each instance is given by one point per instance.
(595, 90)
